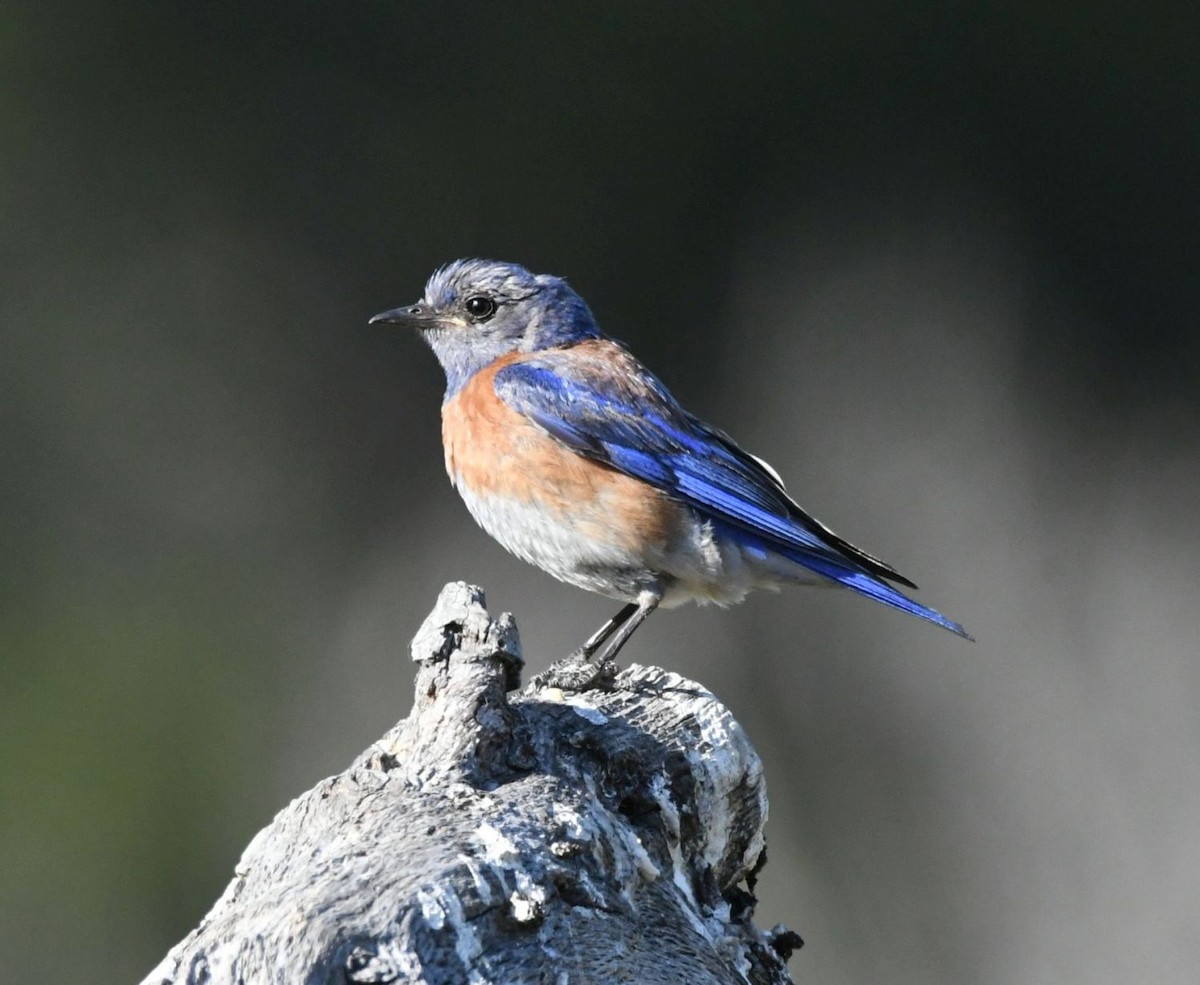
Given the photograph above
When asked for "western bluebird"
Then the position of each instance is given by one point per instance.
(577, 459)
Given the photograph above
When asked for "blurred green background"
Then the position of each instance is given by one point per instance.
(937, 262)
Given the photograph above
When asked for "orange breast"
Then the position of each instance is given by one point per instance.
(492, 450)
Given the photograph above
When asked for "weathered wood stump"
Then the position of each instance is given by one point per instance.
(546, 835)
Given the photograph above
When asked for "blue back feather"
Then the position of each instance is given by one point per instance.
(635, 426)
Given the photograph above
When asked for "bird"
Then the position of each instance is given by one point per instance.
(575, 457)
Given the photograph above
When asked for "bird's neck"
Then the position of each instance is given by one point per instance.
(461, 363)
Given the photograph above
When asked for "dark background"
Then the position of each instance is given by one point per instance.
(937, 262)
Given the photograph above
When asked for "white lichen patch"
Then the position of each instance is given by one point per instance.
(528, 906)
(483, 885)
(429, 899)
(587, 712)
(569, 820)
(645, 865)
(442, 909)
(661, 792)
(496, 847)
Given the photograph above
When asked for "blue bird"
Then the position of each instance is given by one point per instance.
(577, 459)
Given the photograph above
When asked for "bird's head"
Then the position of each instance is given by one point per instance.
(475, 311)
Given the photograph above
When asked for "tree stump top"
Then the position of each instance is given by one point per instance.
(543, 835)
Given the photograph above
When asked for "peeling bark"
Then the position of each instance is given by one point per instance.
(545, 835)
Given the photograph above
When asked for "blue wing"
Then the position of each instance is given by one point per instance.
(630, 422)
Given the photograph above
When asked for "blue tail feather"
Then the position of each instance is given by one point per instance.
(872, 587)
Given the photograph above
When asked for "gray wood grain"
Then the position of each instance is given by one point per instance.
(547, 835)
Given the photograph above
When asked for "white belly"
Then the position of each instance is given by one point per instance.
(695, 565)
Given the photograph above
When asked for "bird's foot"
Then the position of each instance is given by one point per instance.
(577, 672)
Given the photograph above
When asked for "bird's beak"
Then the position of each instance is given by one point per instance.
(411, 316)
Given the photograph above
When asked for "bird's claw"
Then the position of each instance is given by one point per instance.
(577, 672)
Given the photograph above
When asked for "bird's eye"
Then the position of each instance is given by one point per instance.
(480, 308)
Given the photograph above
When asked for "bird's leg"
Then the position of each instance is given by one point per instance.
(576, 672)
(619, 634)
(579, 672)
(598, 638)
